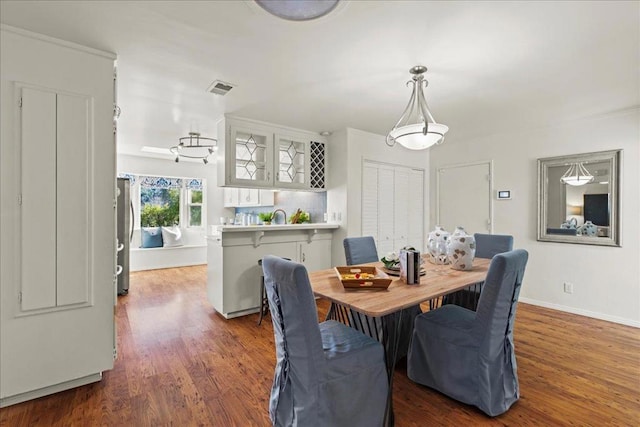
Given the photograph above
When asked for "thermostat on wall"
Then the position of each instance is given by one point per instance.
(504, 194)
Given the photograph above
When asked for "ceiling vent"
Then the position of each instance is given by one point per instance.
(219, 87)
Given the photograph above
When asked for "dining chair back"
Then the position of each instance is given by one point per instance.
(487, 246)
(468, 355)
(327, 373)
(360, 250)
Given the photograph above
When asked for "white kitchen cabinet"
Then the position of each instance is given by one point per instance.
(292, 161)
(250, 153)
(248, 197)
(255, 154)
(233, 273)
(231, 197)
(315, 255)
(241, 197)
(393, 206)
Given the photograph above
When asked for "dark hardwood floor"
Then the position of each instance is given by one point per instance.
(179, 363)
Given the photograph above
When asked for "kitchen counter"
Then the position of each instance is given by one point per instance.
(233, 252)
(275, 227)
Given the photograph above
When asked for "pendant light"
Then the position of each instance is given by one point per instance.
(417, 129)
(576, 175)
(298, 10)
(192, 148)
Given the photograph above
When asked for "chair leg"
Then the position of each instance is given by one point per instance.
(262, 300)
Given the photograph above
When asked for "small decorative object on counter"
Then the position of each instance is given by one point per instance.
(410, 266)
(266, 217)
(437, 245)
(391, 261)
(588, 229)
(299, 217)
(461, 250)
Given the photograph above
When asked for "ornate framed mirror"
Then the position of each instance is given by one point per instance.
(579, 198)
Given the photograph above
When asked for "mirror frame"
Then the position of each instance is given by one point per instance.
(614, 157)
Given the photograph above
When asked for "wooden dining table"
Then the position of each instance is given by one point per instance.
(382, 309)
(438, 280)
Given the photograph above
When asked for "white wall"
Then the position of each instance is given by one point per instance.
(348, 149)
(606, 279)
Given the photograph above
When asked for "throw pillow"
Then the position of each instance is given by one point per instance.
(151, 237)
(172, 236)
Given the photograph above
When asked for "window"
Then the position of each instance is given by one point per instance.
(195, 208)
(159, 207)
(167, 201)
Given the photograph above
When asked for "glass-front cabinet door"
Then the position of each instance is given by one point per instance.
(251, 154)
(292, 161)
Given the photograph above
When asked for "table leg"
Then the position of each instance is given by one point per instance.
(392, 326)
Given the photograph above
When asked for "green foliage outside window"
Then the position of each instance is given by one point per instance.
(196, 196)
(160, 207)
(195, 216)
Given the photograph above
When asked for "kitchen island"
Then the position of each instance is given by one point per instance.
(233, 251)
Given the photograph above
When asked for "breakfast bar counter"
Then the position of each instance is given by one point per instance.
(233, 252)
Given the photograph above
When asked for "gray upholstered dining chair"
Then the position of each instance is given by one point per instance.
(326, 374)
(468, 355)
(487, 246)
(490, 245)
(360, 250)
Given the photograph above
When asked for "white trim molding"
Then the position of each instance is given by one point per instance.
(581, 312)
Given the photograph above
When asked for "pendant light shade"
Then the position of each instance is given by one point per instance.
(417, 129)
(576, 175)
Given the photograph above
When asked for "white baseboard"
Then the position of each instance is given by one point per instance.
(587, 313)
(30, 395)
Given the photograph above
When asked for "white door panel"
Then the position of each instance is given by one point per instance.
(464, 198)
(38, 192)
(73, 199)
(370, 201)
(385, 210)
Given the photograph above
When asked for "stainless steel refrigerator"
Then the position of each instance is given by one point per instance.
(125, 233)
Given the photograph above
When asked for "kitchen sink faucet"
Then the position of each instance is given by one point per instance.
(283, 213)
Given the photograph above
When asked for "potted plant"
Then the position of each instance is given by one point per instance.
(266, 217)
(300, 217)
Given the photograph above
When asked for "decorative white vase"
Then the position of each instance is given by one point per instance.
(588, 229)
(437, 245)
(461, 250)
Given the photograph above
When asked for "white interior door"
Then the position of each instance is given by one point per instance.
(464, 197)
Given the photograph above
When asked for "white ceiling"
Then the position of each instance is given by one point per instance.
(493, 66)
